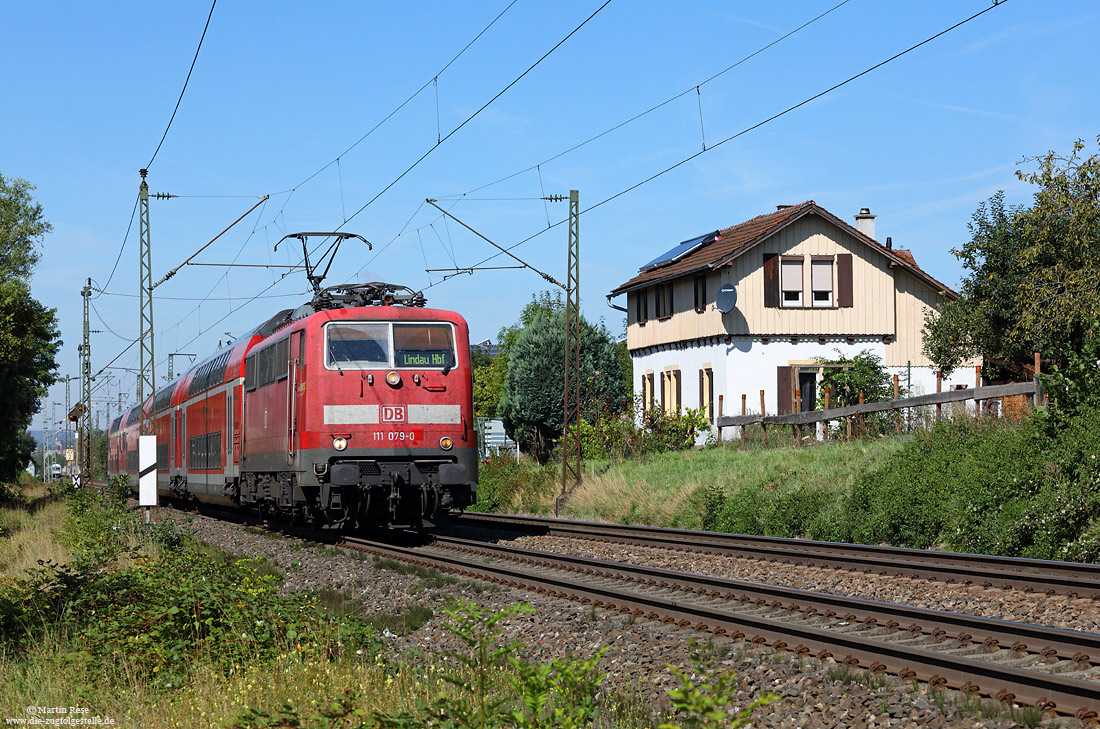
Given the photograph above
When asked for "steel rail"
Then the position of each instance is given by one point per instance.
(1047, 576)
(1006, 683)
(1069, 645)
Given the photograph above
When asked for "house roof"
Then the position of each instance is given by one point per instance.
(718, 249)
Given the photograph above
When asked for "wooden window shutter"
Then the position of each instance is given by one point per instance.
(771, 280)
(784, 391)
(702, 402)
(710, 395)
(664, 392)
(679, 391)
(844, 280)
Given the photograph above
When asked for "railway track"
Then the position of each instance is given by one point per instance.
(1056, 670)
(1028, 575)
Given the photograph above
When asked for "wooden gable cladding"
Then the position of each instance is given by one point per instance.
(863, 301)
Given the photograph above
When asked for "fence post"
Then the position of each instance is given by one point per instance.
(718, 418)
(763, 414)
(897, 413)
(859, 418)
(827, 406)
(977, 385)
(796, 430)
(939, 388)
(743, 396)
(1039, 398)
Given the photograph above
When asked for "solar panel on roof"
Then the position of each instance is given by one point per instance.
(679, 251)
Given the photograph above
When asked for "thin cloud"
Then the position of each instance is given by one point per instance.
(967, 110)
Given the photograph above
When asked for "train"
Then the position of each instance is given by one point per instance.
(353, 411)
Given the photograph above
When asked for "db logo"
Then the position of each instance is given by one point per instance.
(393, 413)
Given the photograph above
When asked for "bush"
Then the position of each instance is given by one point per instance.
(506, 484)
(188, 606)
(618, 436)
(975, 485)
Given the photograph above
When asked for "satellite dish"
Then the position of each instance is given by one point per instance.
(726, 299)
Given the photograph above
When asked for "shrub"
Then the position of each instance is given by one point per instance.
(507, 484)
(639, 432)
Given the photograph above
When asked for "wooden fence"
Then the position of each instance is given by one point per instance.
(978, 394)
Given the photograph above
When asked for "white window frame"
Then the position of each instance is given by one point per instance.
(390, 363)
(827, 302)
(791, 303)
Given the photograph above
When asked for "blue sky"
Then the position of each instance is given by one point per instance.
(280, 90)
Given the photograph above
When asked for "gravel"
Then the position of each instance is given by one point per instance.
(1056, 611)
(811, 693)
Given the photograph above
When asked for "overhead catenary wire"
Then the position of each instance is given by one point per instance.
(289, 192)
(173, 272)
(743, 132)
(470, 118)
(406, 102)
(653, 108)
(199, 298)
(185, 82)
(122, 247)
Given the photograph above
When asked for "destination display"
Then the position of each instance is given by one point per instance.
(422, 358)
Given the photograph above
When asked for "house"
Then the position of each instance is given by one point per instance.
(752, 307)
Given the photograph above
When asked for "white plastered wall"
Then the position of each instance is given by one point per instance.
(748, 365)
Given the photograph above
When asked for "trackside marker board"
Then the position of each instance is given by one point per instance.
(147, 470)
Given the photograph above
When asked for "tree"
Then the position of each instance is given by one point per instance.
(532, 405)
(22, 226)
(1033, 283)
(490, 373)
(28, 330)
(852, 375)
(980, 323)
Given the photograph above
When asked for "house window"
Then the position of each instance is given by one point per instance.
(791, 282)
(821, 281)
(664, 300)
(706, 393)
(670, 391)
(641, 306)
(701, 293)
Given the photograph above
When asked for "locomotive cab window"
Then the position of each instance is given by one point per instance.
(376, 345)
(357, 345)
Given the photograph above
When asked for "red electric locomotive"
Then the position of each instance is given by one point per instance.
(354, 410)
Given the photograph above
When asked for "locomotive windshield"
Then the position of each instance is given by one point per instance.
(365, 346)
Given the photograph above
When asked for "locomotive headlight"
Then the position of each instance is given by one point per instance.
(339, 443)
(393, 379)
(446, 443)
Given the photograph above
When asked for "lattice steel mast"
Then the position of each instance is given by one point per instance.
(571, 432)
(146, 378)
(85, 424)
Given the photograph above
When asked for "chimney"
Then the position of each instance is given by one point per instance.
(865, 222)
(889, 243)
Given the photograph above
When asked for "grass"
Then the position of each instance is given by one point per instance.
(28, 532)
(985, 485)
(430, 577)
(667, 489)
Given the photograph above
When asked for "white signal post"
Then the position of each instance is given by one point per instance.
(147, 473)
